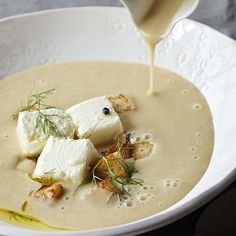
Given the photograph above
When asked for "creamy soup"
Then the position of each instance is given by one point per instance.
(177, 121)
(153, 27)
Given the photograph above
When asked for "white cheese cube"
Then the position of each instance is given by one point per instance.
(65, 159)
(90, 119)
(32, 137)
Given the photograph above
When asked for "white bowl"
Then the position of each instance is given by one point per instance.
(195, 51)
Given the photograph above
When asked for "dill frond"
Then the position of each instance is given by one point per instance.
(118, 183)
(87, 135)
(50, 172)
(48, 127)
(129, 169)
(36, 101)
(110, 197)
(90, 174)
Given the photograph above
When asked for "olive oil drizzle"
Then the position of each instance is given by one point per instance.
(24, 220)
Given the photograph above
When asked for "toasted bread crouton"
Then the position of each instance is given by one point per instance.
(53, 192)
(107, 185)
(141, 150)
(125, 152)
(121, 103)
(113, 163)
(110, 150)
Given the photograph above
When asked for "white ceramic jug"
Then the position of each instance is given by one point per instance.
(139, 8)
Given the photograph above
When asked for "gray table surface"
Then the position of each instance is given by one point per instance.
(219, 14)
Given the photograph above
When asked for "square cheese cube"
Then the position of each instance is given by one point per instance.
(89, 118)
(65, 159)
(32, 137)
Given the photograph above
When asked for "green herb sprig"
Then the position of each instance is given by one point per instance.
(48, 127)
(36, 102)
(128, 179)
(50, 172)
(116, 181)
(87, 135)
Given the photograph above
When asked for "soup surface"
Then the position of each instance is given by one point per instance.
(177, 120)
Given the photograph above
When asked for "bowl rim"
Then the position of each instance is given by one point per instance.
(81, 8)
(145, 224)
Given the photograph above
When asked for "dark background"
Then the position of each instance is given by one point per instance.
(217, 218)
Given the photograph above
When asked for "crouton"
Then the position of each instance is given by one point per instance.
(125, 152)
(110, 150)
(53, 192)
(114, 164)
(141, 150)
(107, 185)
(121, 103)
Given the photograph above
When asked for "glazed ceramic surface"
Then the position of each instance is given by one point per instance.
(195, 51)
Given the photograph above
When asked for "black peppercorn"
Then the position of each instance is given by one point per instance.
(106, 111)
(128, 137)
